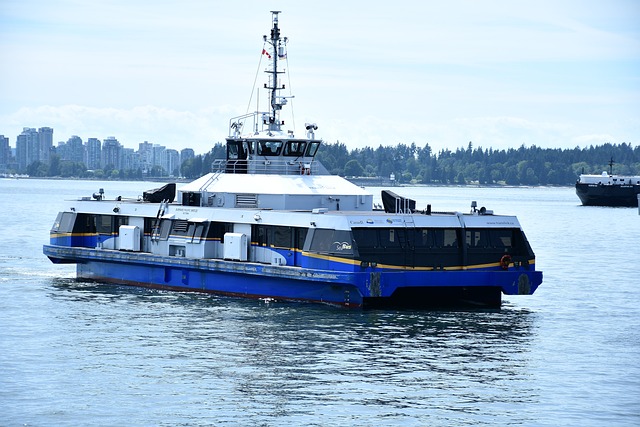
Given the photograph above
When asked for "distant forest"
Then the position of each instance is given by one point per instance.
(411, 164)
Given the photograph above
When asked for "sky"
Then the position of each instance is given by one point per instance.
(498, 74)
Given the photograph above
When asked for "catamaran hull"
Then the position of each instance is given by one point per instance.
(366, 288)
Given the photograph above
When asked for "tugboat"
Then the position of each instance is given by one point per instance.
(270, 222)
(608, 189)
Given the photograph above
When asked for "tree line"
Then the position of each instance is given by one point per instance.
(411, 164)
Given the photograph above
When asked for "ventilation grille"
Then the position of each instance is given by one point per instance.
(246, 200)
(180, 226)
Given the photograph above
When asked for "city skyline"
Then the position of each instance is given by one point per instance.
(500, 74)
(35, 146)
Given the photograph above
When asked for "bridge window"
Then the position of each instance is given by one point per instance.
(269, 148)
(235, 150)
(294, 148)
(313, 148)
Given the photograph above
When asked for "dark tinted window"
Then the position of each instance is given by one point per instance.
(282, 237)
(269, 148)
(313, 148)
(294, 148)
(337, 242)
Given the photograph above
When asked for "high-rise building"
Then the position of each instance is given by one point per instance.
(72, 150)
(173, 162)
(45, 144)
(93, 152)
(27, 148)
(130, 159)
(5, 154)
(145, 150)
(111, 152)
(159, 158)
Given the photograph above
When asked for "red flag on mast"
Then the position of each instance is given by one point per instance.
(264, 52)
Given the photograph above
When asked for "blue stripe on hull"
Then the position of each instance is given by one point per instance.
(254, 286)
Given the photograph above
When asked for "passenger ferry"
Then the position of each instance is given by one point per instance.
(270, 222)
(608, 189)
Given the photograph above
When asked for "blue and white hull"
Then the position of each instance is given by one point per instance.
(362, 287)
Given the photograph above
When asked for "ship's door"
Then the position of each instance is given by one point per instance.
(408, 242)
(260, 240)
(237, 154)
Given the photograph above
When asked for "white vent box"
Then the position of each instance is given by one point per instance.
(129, 238)
(235, 246)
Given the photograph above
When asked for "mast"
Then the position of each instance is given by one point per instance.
(611, 166)
(277, 51)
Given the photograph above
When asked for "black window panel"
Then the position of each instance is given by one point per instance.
(84, 224)
(312, 149)
(218, 229)
(249, 146)
(259, 235)
(392, 238)
(322, 239)
(149, 224)
(502, 238)
(411, 247)
(338, 242)
(342, 243)
(104, 224)
(121, 220)
(282, 237)
(269, 148)
(446, 237)
(232, 150)
(423, 238)
(191, 199)
(477, 238)
(301, 236)
(294, 148)
(366, 238)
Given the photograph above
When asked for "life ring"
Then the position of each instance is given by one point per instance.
(505, 261)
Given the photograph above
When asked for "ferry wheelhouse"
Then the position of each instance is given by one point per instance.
(270, 222)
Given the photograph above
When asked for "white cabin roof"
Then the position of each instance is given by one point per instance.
(321, 185)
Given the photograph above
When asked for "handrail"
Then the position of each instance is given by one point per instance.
(268, 166)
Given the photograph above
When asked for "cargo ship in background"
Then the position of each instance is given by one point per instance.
(270, 222)
(608, 189)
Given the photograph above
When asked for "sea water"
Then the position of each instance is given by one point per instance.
(76, 353)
